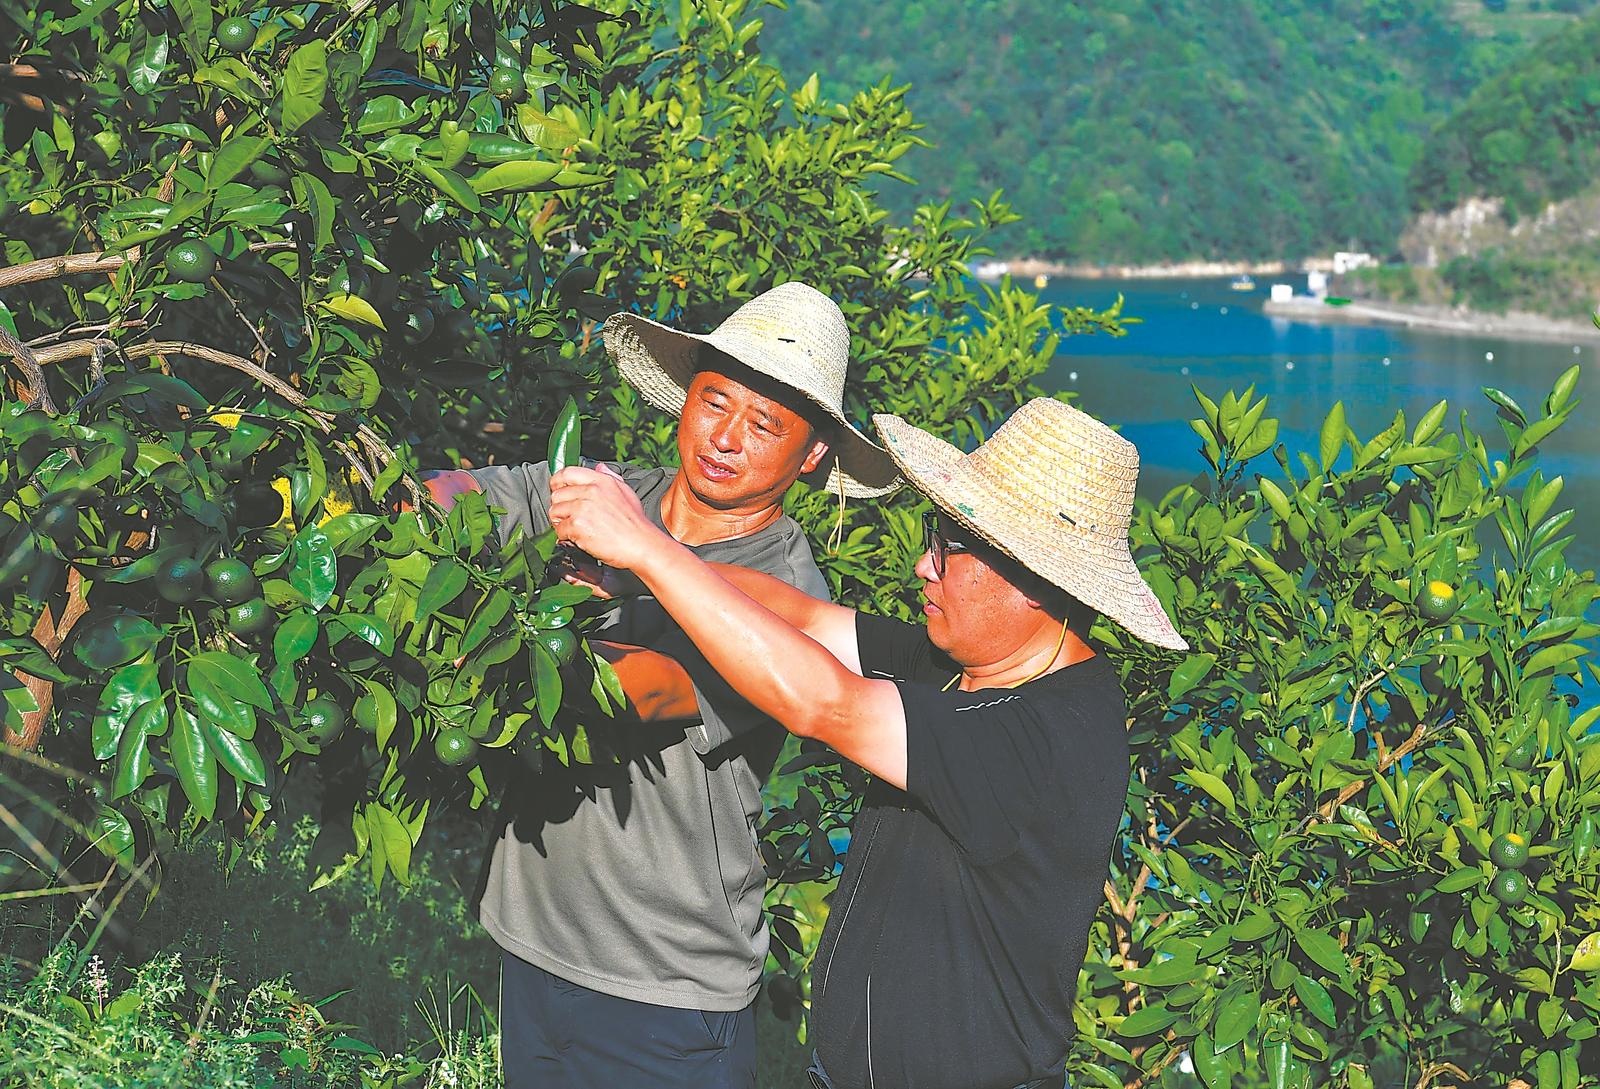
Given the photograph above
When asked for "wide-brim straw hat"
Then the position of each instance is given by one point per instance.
(1053, 489)
(794, 334)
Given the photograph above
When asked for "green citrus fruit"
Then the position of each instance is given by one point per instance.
(419, 325)
(561, 644)
(192, 261)
(1509, 887)
(506, 82)
(250, 617)
(257, 505)
(454, 747)
(236, 35)
(1509, 851)
(324, 719)
(180, 580)
(231, 581)
(1437, 601)
(1524, 754)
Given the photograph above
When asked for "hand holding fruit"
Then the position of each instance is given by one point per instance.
(595, 511)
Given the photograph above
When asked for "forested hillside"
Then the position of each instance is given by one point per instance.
(1148, 130)
(1530, 135)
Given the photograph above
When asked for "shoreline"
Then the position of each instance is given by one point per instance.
(1029, 267)
(1514, 325)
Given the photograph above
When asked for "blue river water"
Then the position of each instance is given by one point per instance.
(1202, 332)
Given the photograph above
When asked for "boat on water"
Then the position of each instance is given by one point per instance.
(1242, 283)
(1041, 281)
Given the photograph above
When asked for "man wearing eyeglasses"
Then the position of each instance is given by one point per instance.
(995, 735)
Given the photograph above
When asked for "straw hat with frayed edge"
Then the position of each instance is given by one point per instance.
(792, 333)
(1052, 489)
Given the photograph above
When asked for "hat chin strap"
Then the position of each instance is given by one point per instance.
(836, 538)
(1050, 661)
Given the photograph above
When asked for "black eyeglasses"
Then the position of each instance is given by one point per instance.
(940, 547)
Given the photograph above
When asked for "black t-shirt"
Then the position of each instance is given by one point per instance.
(951, 955)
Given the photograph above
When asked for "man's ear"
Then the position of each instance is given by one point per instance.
(818, 451)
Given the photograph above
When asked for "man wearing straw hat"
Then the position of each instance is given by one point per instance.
(628, 907)
(995, 735)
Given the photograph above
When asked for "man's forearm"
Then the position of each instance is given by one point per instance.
(657, 687)
(834, 626)
(782, 671)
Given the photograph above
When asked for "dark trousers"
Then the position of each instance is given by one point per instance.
(819, 1079)
(558, 1035)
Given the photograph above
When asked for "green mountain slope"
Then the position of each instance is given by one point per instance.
(1148, 130)
(1530, 135)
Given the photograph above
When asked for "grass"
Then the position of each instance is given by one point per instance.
(408, 971)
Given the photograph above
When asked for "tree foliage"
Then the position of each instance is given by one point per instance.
(1528, 135)
(1135, 131)
(1305, 894)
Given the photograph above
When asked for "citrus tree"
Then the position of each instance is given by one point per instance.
(1359, 846)
(261, 263)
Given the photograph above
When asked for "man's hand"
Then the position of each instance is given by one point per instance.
(593, 510)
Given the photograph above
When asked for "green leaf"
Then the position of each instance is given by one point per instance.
(1333, 429)
(128, 689)
(512, 177)
(194, 763)
(133, 753)
(313, 192)
(1212, 785)
(491, 612)
(547, 684)
(1145, 1021)
(239, 757)
(147, 58)
(113, 834)
(371, 629)
(1315, 998)
(443, 585)
(305, 82)
(353, 308)
(1460, 880)
(1236, 1016)
(233, 676)
(314, 569)
(376, 711)
(234, 159)
(196, 19)
(216, 705)
(391, 831)
(451, 184)
(1323, 950)
(1190, 672)
(295, 636)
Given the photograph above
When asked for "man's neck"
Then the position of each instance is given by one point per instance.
(1052, 648)
(692, 521)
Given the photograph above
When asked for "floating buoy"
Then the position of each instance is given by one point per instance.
(1289, 366)
(1194, 306)
(1385, 361)
(1185, 370)
(1489, 356)
(1072, 376)
(1576, 350)
(1224, 309)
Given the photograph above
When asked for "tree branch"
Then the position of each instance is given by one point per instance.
(377, 450)
(74, 264)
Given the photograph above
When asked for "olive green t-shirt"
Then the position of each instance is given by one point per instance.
(644, 880)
